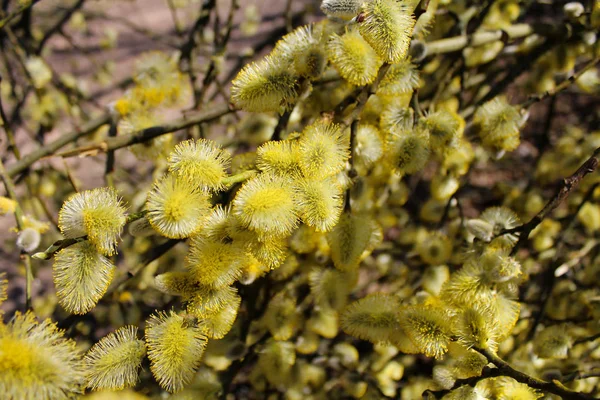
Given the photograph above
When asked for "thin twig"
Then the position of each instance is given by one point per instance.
(212, 72)
(560, 87)
(24, 6)
(549, 275)
(51, 147)
(566, 187)
(554, 387)
(58, 25)
(144, 135)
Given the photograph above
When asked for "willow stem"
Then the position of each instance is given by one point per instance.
(238, 178)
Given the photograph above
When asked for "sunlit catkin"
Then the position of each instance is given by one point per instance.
(368, 148)
(387, 26)
(176, 208)
(353, 57)
(207, 300)
(81, 277)
(218, 324)
(279, 157)
(37, 362)
(263, 86)
(175, 349)
(265, 204)
(444, 129)
(429, 328)
(319, 203)
(200, 162)
(303, 49)
(323, 150)
(97, 213)
(176, 283)
(114, 361)
(401, 78)
(214, 263)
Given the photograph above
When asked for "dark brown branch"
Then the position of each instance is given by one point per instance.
(486, 373)
(58, 25)
(211, 73)
(549, 275)
(144, 135)
(560, 87)
(587, 339)
(17, 11)
(50, 148)
(554, 387)
(566, 187)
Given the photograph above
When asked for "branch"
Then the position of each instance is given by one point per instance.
(554, 387)
(58, 25)
(144, 135)
(486, 373)
(57, 246)
(221, 43)
(457, 43)
(580, 375)
(550, 275)
(563, 85)
(587, 339)
(11, 191)
(566, 187)
(64, 243)
(20, 9)
(50, 148)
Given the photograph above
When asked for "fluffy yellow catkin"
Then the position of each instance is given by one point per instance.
(303, 49)
(265, 204)
(353, 57)
(175, 349)
(214, 263)
(176, 208)
(202, 163)
(429, 328)
(349, 239)
(81, 277)
(319, 203)
(97, 213)
(387, 26)
(216, 325)
(401, 78)
(114, 361)
(37, 362)
(373, 318)
(263, 86)
(324, 150)
(208, 301)
(280, 157)
(498, 124)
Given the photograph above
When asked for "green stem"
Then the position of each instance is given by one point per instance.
(238, 178)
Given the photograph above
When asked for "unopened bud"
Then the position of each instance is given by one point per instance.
(29, 240)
